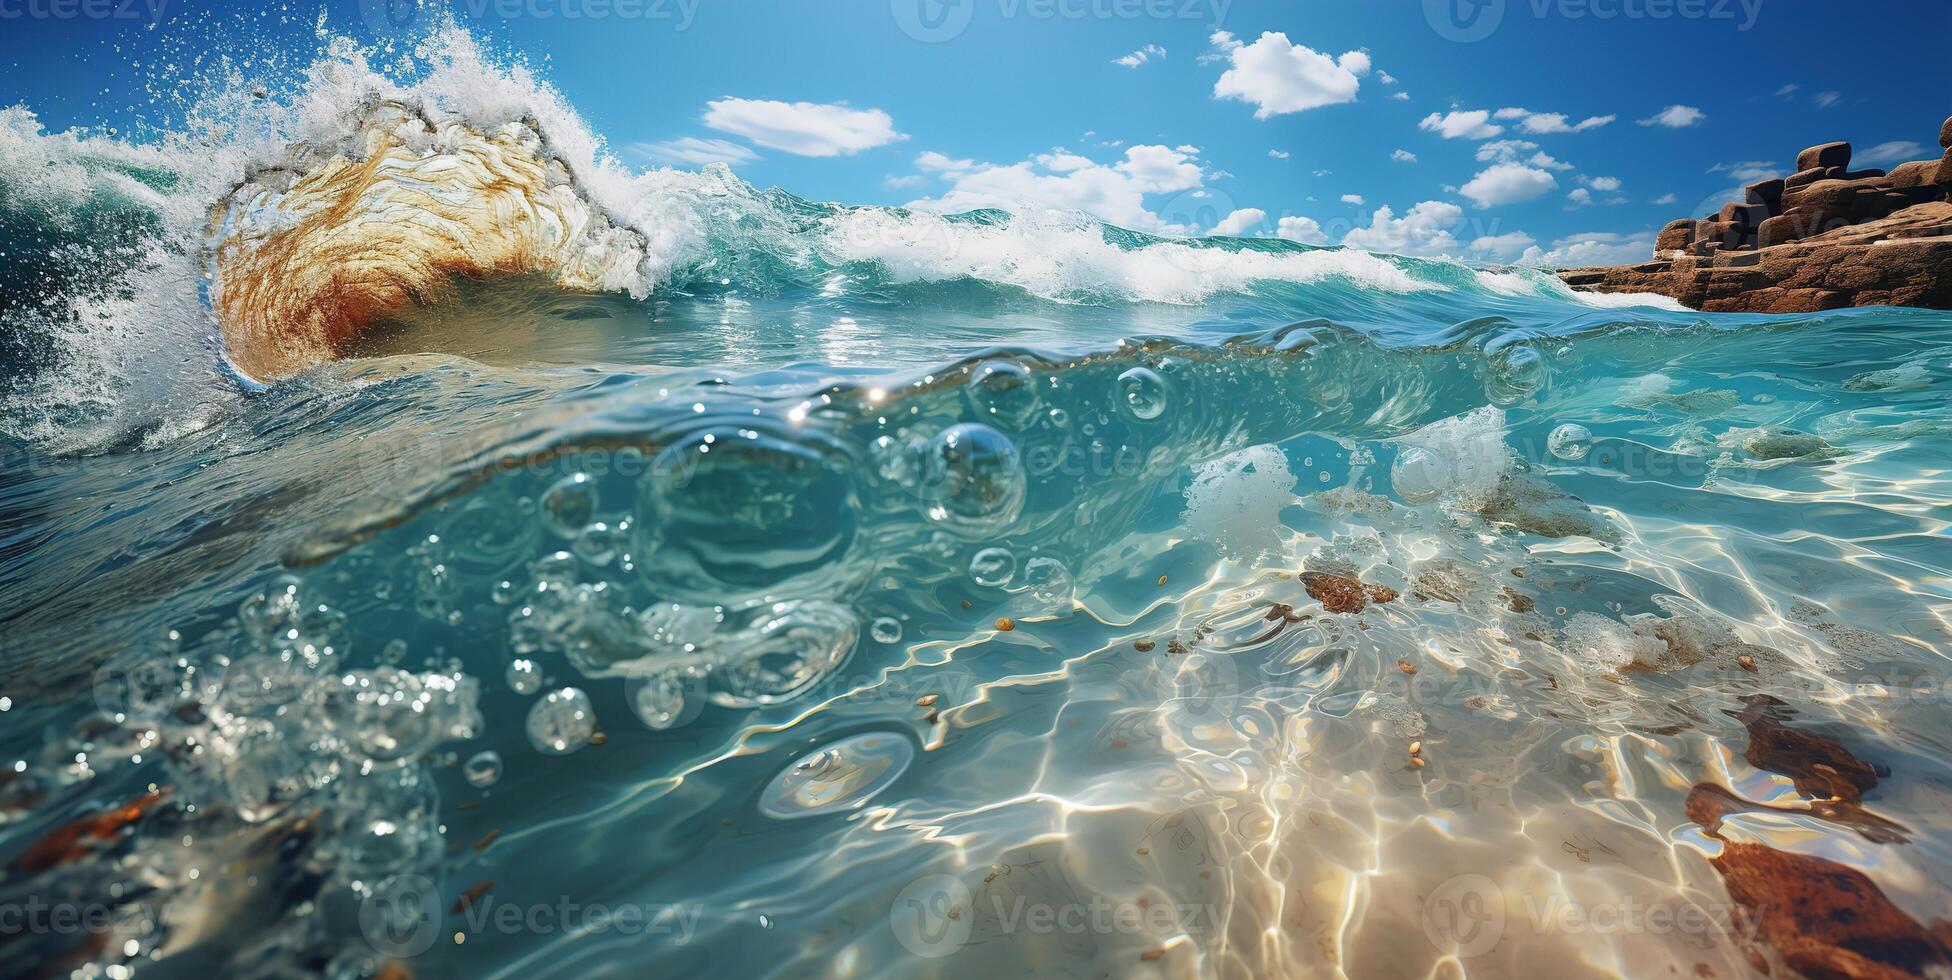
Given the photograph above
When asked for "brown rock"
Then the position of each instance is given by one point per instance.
(1825, 155)
(1778, 230)
(1869, 173)
(1679, 234)
(1768, 192)
(1944, 169)
(1722, 234)
(1745, 215)
(1918, 173)
(1945, 134)
(1803, 178)
(1341, 594)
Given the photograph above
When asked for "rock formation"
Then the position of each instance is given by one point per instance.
(1823, 238)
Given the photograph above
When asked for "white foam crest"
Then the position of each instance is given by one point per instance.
(1064, 256)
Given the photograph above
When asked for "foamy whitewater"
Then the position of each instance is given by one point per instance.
(435, 548)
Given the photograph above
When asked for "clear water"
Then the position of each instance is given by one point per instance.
(843, 597)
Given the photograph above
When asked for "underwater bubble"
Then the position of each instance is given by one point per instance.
(793, 647)
(1516, 372)
(390, 716)
(886, 629)
(264, 770)
(667, 698)
(600, 543)
(1571, 441)
(143, 683)
(390, 818)
(570, 505)
(394, 652)
(483, 769)
(483, 538)
(523, 676)
(273, 615)
(973, 479)
(741, 511)
(1418, 474)
(1002, 390)
(1059, 418)
(1143, 393)
(993, 567)
(840, 776)
(1050, 583)
(561, 722)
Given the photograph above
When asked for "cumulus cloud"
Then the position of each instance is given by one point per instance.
(1296, 228)
(1747, 171)
(1591, 248)
(1278, 154)
(1508, 183)
(1141, 56)
(1501, 247)
(1113, 192)
(1239, 222)
(1355, 199)
(1580, 197)
(1676, 117)
(804, 128)
(1603, 183)
(1403, 156)
(1425, 229)
(1518, 151)
(695, 152)
(1278, 77)
(1474, 124)
(1667, 198)
(1550, 122)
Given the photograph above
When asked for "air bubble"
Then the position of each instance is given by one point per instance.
(483, 770)
(837, 777)
(569, 506)
(561, 722)
(993, 567)
(1571, 441)
(1142, 393)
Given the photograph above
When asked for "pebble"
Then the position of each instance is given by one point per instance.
(1005, 624)
(927, 700)
(1143, 646)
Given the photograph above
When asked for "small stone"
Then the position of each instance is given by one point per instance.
(1747, 662)
(1416, 762)
(1005, 624)
(1143, 851)
(1416, 748)
(1824, 155)
(927, 700)
(1162, 580)
(1406, 666)
(1143, 646)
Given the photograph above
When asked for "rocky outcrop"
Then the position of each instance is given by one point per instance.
(1826, 237)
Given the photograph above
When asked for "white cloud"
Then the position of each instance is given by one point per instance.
(1296, 228)
(1386, 78)
(1667, 198)
(934, 162)
(1786, 91)
(1113, 192)
(1063, 161)
(1279, 154)
(1423, 230)
(1550, 122)
(1239, 222)
(1475, 124)
(1580, 197)
(1892, 152)
(1501, 246)
(1141, 56)
(1508, 183)
(1675, 117)
(1592, 248)
(1747, 171)
(1355, 199)
(1516, 151)
(1403, 156)
(805, 128)
(692, 151)
(1825, 100)
(1603, 183)
(893, 182)
(1400, 96)
(1280, 77)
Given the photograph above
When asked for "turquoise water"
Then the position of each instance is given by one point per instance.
(866, 582)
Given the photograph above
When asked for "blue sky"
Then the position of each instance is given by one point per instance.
(1573, 128)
